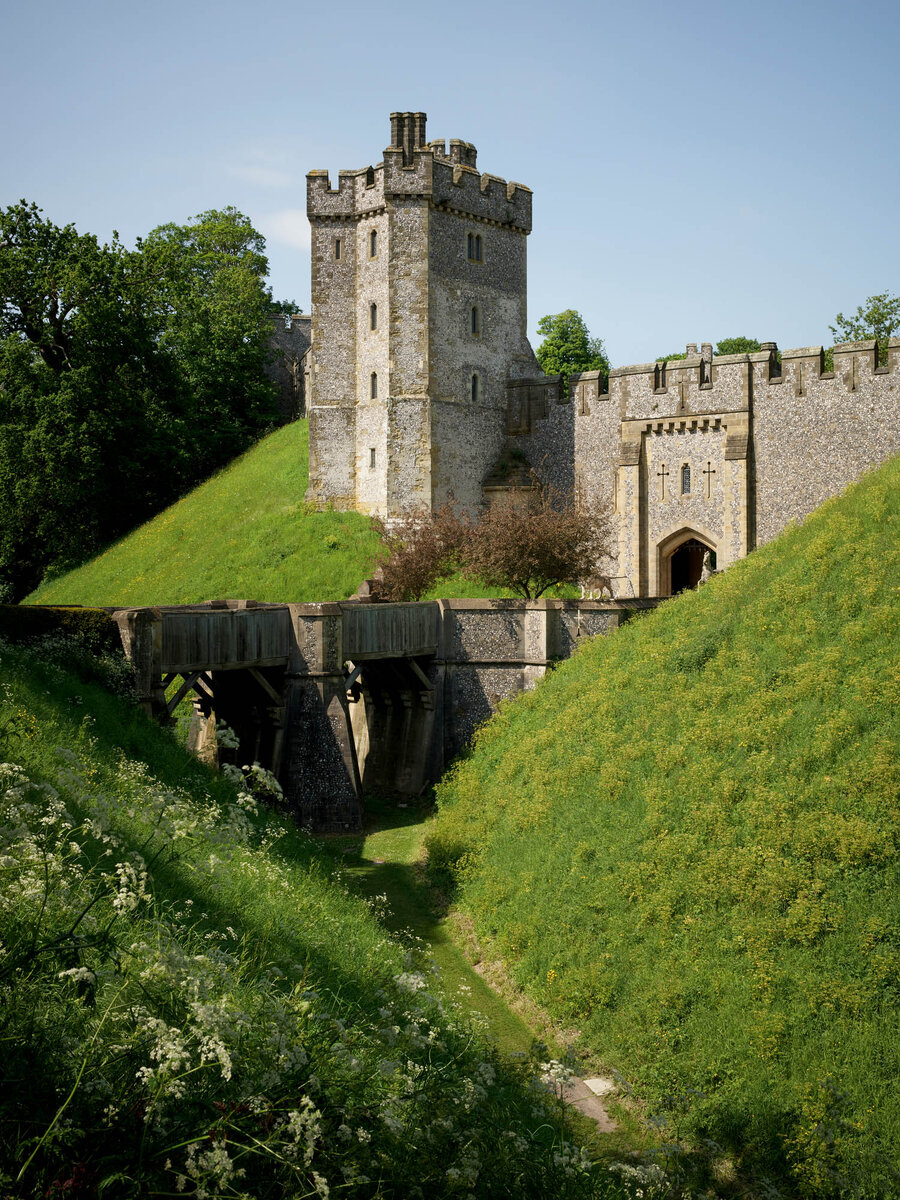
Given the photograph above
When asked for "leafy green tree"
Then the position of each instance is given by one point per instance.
(79, 361)
(567, 347)
(671, 357)
(125, 377)
(213, 306)
(878, 319)
(737, 345)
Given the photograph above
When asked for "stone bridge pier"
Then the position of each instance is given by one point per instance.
(343, 700)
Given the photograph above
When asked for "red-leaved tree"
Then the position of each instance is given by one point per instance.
(417, 552)
(524, 547)
(528, 548)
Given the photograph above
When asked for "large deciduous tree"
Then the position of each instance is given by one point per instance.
(567, 347)
(213, 309)
(125, 377)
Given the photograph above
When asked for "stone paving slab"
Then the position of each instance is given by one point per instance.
(580, 1096)
(601, 1086)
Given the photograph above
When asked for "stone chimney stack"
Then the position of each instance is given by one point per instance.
(408, 133)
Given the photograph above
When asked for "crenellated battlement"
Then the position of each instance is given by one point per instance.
(727, 383)
(322, 200)
(706, 384)
(412, 167)
(486, 197)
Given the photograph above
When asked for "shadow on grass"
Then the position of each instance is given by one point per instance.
(386, 861)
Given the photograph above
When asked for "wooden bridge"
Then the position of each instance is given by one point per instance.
(342, 699)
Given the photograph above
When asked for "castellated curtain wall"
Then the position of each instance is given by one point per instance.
(764, 443)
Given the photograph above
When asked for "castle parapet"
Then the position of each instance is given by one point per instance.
(586, 388)
(853, 360)
(324, 201)
(461, 188)
(414, 167)
(407, 176)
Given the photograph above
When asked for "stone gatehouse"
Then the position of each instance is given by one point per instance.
(422, 379)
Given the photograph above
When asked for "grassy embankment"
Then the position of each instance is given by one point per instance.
(245, 533)
(686, 842)
(192, 1002)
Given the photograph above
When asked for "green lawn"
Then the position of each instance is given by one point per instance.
(686, 842)
(387, 862)
(192, 1002)
(246, 533)
(386, 865)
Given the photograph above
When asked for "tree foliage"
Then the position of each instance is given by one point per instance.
(126, 376)
(523, 544)
(530, 547)
(417, 552)
(878, 319)
(567, 347)
(734, 345)
(737, 345)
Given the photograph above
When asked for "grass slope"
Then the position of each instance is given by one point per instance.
(244, 533)
(686, 842)
(192, 1003)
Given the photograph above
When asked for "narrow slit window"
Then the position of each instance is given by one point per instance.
(470, 245)
(370, 177)
(475, 322)
(478, 247)
(372, 459)
(373, 390)
(373, 243)
(373, 316)
(475, 387)
(337, 247)
(686, 480)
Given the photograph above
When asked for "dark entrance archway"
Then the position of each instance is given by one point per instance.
(686, 565)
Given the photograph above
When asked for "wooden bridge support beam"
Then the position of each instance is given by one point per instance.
(141, 632)
(400, 721)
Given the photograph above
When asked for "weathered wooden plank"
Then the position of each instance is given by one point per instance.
(390, 630)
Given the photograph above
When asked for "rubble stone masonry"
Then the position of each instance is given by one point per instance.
(423, 386)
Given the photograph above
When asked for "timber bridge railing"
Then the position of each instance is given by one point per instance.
(347, 698)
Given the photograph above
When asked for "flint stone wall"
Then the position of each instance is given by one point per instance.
(766, 442)
(288, 367)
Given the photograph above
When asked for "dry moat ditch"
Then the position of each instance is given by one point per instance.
(387, 860)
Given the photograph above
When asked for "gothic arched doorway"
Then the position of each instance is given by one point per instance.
(681, 560)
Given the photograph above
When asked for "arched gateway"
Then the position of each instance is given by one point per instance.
(681, 558)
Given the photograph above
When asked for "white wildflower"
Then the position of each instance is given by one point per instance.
(304, 1126)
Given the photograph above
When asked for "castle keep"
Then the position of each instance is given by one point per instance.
(418, 300)
(422, 379)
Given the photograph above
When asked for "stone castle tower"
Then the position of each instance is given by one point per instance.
(423, 385)
(418, 325)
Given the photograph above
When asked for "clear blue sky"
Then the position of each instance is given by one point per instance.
(700, 170)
